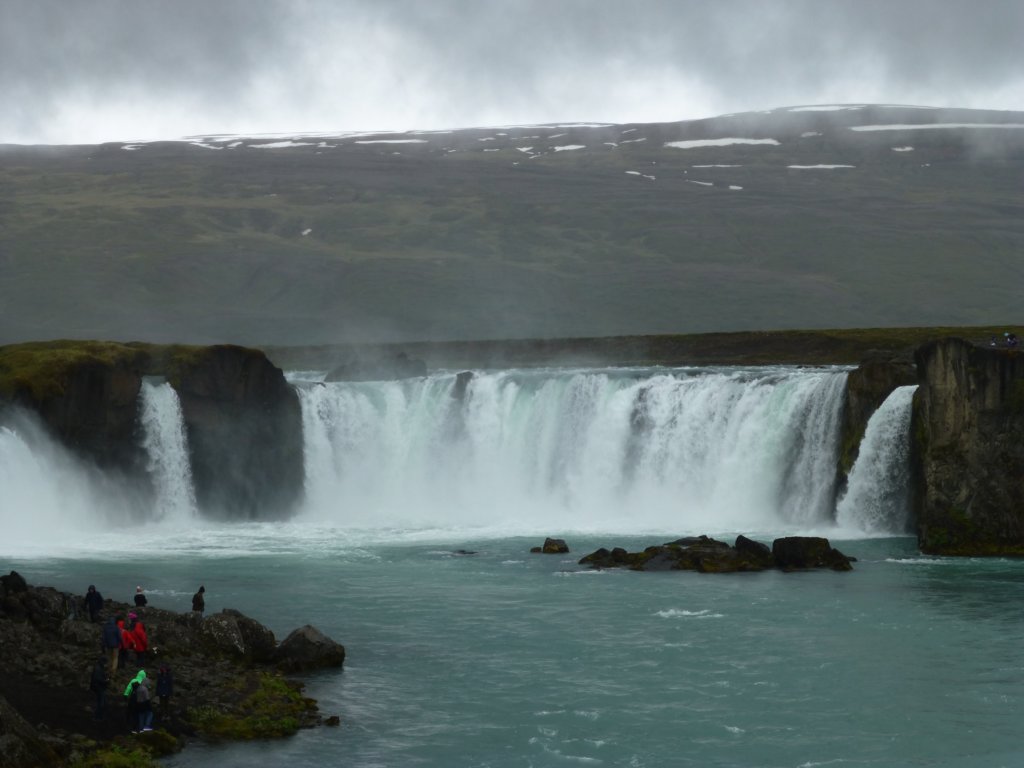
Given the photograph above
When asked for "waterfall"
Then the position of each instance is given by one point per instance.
(877, 497)
(166, 447)
(625, 449)
(48, 497)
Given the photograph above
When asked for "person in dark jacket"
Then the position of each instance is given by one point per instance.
(111, 641)
(140, 598)
(198, 602)
(93, 603)
(164, 688)
(98, 685)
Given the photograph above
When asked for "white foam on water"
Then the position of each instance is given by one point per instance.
(817, 167)
(569, 147)
(902, 149)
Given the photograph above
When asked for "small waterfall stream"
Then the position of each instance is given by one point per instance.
(166, 448)
(877, 496)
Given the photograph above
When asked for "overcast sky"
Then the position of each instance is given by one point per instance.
(77, 71)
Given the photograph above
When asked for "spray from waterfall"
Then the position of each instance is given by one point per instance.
(166, 447)
(877, 499)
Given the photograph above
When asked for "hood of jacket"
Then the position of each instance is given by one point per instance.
(137, 679)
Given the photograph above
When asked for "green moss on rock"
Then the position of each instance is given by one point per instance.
(268, 707)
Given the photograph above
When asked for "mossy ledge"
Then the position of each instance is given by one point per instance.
(228, 683)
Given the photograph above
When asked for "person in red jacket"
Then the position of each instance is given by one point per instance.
(141, 641)
(127, 642)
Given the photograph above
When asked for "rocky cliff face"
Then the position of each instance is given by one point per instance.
(968, 452)
(242, 418)
(244, 427)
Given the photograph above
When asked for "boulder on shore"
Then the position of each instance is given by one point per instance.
(307, 648)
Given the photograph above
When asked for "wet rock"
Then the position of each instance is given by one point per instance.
(332, 721)
(307, 648)
(552, 547)
(461, 382)
(793, 553)
(707, 555)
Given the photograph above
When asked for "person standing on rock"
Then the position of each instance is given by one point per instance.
(140, 598)
(140, 641)
(164, 688)
(111, 641)
(98, 685)
(144, 706)
(93, 603)
(198, 602)
(131, 711)
(127, 638)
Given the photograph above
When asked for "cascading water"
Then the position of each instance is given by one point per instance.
(166, 447)
(877, 496)
(694, 450)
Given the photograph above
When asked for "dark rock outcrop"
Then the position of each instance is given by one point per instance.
(968, 449)
(798, 553)
(244, 427)
(307, 648)
(707, 555)
(462, 380)
(20, 744)
(551, 547)
(867, 387)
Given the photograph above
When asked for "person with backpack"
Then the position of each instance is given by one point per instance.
(98, 685)
(144, 706)
(131, 711)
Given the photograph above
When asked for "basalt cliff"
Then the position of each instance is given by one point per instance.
(968, 449)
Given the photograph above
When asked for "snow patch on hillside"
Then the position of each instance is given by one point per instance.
(934, 126)
(718, 142)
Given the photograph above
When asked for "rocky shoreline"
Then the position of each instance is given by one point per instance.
(229, 681)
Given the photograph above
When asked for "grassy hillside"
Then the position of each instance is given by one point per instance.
(506, 233)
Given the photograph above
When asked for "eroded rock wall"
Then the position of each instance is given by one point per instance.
(968, 449)
(244, 427)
